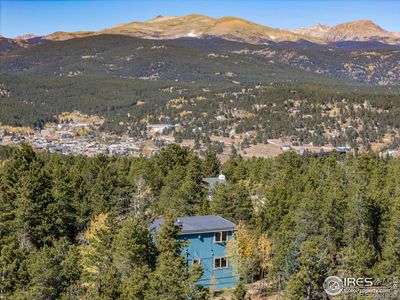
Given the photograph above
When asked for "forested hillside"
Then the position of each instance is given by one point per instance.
(75, 227)
(208, 60)
(120, 56)
(298, 92)
(302, 113)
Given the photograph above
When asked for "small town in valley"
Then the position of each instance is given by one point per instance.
(80, 134)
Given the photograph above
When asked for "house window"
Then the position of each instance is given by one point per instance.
(220, 262)
(221, 237)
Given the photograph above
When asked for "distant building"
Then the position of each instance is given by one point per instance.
(339, 150)
(388, 152)
(295, 110)
(66, 134)
(56, 149)
(343, 149)
(301, 150)
(7, 139)
(47, 132)
(212, 181)
(207, 236)
(159, 128)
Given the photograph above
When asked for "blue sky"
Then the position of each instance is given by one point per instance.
(44, 17)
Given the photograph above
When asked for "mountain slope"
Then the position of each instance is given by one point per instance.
(200, 26)
(233, 29)
(7, 45)
(357, 31)
(122, 56)
(214, 60)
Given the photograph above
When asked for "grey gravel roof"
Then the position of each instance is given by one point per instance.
(198, 224)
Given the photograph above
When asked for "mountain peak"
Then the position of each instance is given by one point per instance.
(198, 26)
(360, 30)
(316, 31)
(320, 26)
(361, 24)
(26, 36)
(237, 29)
(364, 22)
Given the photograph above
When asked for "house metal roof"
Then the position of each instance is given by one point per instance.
(198, 224)
(213, 180)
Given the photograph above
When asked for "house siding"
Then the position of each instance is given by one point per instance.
(202, 246)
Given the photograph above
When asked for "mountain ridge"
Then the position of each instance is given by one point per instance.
(233, 29)
(357, 31)
(211, 59)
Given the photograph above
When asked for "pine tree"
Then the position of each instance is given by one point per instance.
(133, 248)
(232, 201)
(390, 264)
(307, 282)
(137, 285)
(211, 163)
(35, 221)
(100, 278)
(170, 157)
(103, 195)
(62, 192)
(52, 270)
(79, 183)
(192, 192)
(12, 174)
(13, 266)
(172, 278)
(13, 254)
(170, 200)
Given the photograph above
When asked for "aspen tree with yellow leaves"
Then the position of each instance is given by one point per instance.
(250, 255)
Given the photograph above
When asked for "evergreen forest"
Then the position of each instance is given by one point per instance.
(77, 227)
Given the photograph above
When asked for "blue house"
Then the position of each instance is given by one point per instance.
(207, 237)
